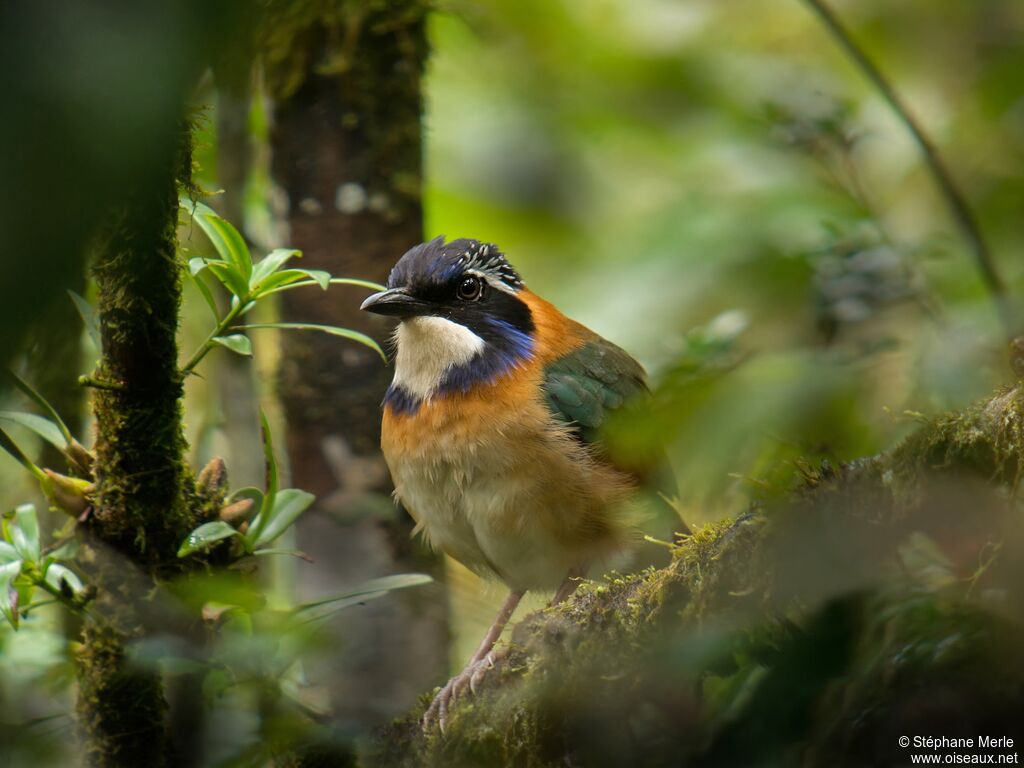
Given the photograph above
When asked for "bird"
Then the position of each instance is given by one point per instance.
(491, 430)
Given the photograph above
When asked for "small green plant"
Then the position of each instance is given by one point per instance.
(252, 518)
(25, 568)
(249, 282)
(275, 511)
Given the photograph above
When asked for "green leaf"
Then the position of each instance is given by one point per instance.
(331, 281)
(281, 551)
(287, 506)
(44, 428)
(90, 318)
(8, 598)
(260, 519)
(357, 282)
(270, 263)
(57, 576)
(375, 587)
(65, 551)
(198, 263)
(203, 537)
(23, 532)
(319, 276)
(248, 492)
(238, 343)
(333, 330)
(229, 276)
(12, 448)
(295, 276)
(43, 403)
(204, 291)
(8, 553)
(228, 242)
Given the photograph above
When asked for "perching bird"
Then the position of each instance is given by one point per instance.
(490, 428)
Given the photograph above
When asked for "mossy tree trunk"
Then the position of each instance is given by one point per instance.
(145, 500)
(880, 599)
(345, 79)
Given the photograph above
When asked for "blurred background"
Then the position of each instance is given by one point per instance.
(714, 186)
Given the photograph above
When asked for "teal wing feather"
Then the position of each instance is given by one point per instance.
(590, 382)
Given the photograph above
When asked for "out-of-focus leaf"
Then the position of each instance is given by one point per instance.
(44, 428)
(22, 530)
(331, 329)
(8, 553)
(57, 576)
(65, 551)
(280, 551)
(43, 403)
(203, 537)
(90, 319)
(19, 455)
(368, 590)
(236, 342)
(8, 597)
(288, 504)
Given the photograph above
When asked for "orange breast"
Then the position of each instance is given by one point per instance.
(461, 417)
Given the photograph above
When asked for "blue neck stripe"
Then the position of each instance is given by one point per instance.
(509, 347)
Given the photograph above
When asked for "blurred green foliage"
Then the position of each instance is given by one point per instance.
(712, 185)
(656, 167)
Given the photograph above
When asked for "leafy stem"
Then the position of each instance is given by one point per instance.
(954, 197)
(209, 343)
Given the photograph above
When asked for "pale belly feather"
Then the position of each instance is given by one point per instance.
(522, 512)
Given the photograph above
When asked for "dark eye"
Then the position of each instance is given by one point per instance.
(470, 289)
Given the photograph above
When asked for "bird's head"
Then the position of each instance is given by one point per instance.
(463, 319)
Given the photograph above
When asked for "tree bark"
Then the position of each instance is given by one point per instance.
(879, 599)
(347, 151)
(145, 501)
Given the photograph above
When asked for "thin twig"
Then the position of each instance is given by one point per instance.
(955, 199)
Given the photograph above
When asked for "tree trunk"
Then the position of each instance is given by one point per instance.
(347, 152)
(145, 500)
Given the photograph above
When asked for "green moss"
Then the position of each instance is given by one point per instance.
(120, 710)
(774, 635)
(145, 499)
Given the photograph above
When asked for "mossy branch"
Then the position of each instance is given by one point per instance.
(578, 676)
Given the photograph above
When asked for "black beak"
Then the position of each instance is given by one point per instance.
(395, 302)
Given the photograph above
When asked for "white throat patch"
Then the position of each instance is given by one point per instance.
(427, 348)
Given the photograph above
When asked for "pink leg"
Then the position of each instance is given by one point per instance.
(438, 709)
(507, 609)
(569, 585)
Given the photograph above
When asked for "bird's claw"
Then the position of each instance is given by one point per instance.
(471, 677)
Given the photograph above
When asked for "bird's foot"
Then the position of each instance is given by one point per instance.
(469, 679)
